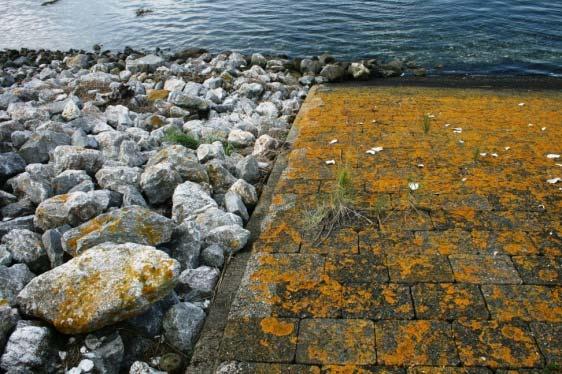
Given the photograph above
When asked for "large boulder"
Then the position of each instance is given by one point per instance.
(197, 284)
(148, 63)
(214, 217)
(159, 181)
(34, 184)
(186, 244)
(72, 208)
(107, 284)
(41, 144)
(190, 199)
(182, 160)
(76, 158)
(114, 178)
(131, 224)
(30, 349)
(233, 237)
(26, 248)
(12, 280)
(219, 176)
(10, 164)
(67, 180)
(188, 102)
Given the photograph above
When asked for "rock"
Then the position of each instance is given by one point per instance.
(311, 67)
(130, 154)
(326, 59)
(71, 111)
(132, 196)
(106, 284)
(81, 139)
(182, 325)
(5, 256)
(233, 237)
(114, 178)
(207, 152)
(34, 186)
(9, 317)
(186, 244)
(265, 144)
(197, 284)
(267, 109)
(149, 323)
(98, 78)
(359, 71)
(234, 204)
(10, 164)
(19, 138)
(213, 83)
(108, 354)
(26, 248)
(183, 161)
(188, 102)
(190, 199)
(13, 280)
(246, 191)
(41, 144)
(219, 176)
(23, 112)
(240, 139)
(147, 64)
(159, 181)
(67, 180)
(213, 256)
(140, 367)
(52, 242)
(131, 224)
(20, 208)
(17, 223)
(110, 143)
(72, 208)
(118, 115)
(86, 365)
(29, 349)
(248, 169)
(258, 59)
(77, 61)
(174, 84)
(154, 95)
(251, 90)
(332, 72)
(69, 157)
(7, 198)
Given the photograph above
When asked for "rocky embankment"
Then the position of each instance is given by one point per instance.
(126, 181)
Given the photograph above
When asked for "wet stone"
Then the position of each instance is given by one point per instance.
(415, 343)
(376, 302)
(523, 302)
(495, 344)
(260, 339)
(484, 269)
(419, 268)
(448, 301)
(329, 341)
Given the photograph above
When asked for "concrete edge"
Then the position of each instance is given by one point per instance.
(206, 355)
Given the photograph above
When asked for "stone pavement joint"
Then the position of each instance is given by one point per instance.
(457, 271)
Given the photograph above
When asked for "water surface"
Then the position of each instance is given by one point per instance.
(466, 36)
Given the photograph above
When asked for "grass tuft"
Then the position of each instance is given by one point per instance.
(426, 123)
(177, 137)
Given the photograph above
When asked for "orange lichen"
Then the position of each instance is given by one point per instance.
(276, 326)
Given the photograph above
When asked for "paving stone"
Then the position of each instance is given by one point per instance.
(356, 269)
(447, 370)
(342, 241)
(484, 269)
(357, 369)
(549, 339)
(388, 301)
(495, 344)
(503, 242)
(419, 268)
(331, 341)
(539, 269)
(548, 242)
(527, 303)
(406, 343)
(265, 368)
(260, 339)
(449, 301)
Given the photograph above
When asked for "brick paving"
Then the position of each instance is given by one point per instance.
(461, 275)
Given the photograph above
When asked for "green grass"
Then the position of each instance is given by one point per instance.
(426, 123)
(228, 149)
(476, 154)
(177, 137)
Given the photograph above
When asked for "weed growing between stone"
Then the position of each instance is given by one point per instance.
(426, 123)
(177, 137)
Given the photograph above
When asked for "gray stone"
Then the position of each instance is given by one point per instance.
(214, 217)
(139, 367)
(132, 224)
(108, 354)
(20, 208)
(84, 186)
(233, 237)
(16, 223)
(182, 160)
(193, 88)
(159, 181)
(52, 242)
(69, 157)
(248, 169)
(9, 317)
(81, 139)
(240, 138)
(106, 284)
(197, 284)
(309, 66)
(150, 322)
(212, 83)
(67, 180)
(174, 84)
(29, 349)
(187, 101)
(70, 111)
(41, 144)
(77, 61)
(118, 115)
(5, 256)
(264, 146)
(130, 154)
(72, 208)
(190, 199)
(147, 64)
(219, 176)
(182, 325)
(132, 196)
(116, 177)
(26, 248)
(26, 111)
(234, 204)
(332, 72)
(213, 256)
(33, 187)
(258, 59)
(251, 90)
(110, 143)
(207, 152)
(7, 198)
(246, 191)
(359, 71)
(267, 109)
(186, 244)
(10, 164)
(12, 280)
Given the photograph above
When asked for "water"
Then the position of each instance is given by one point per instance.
(466, 36)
